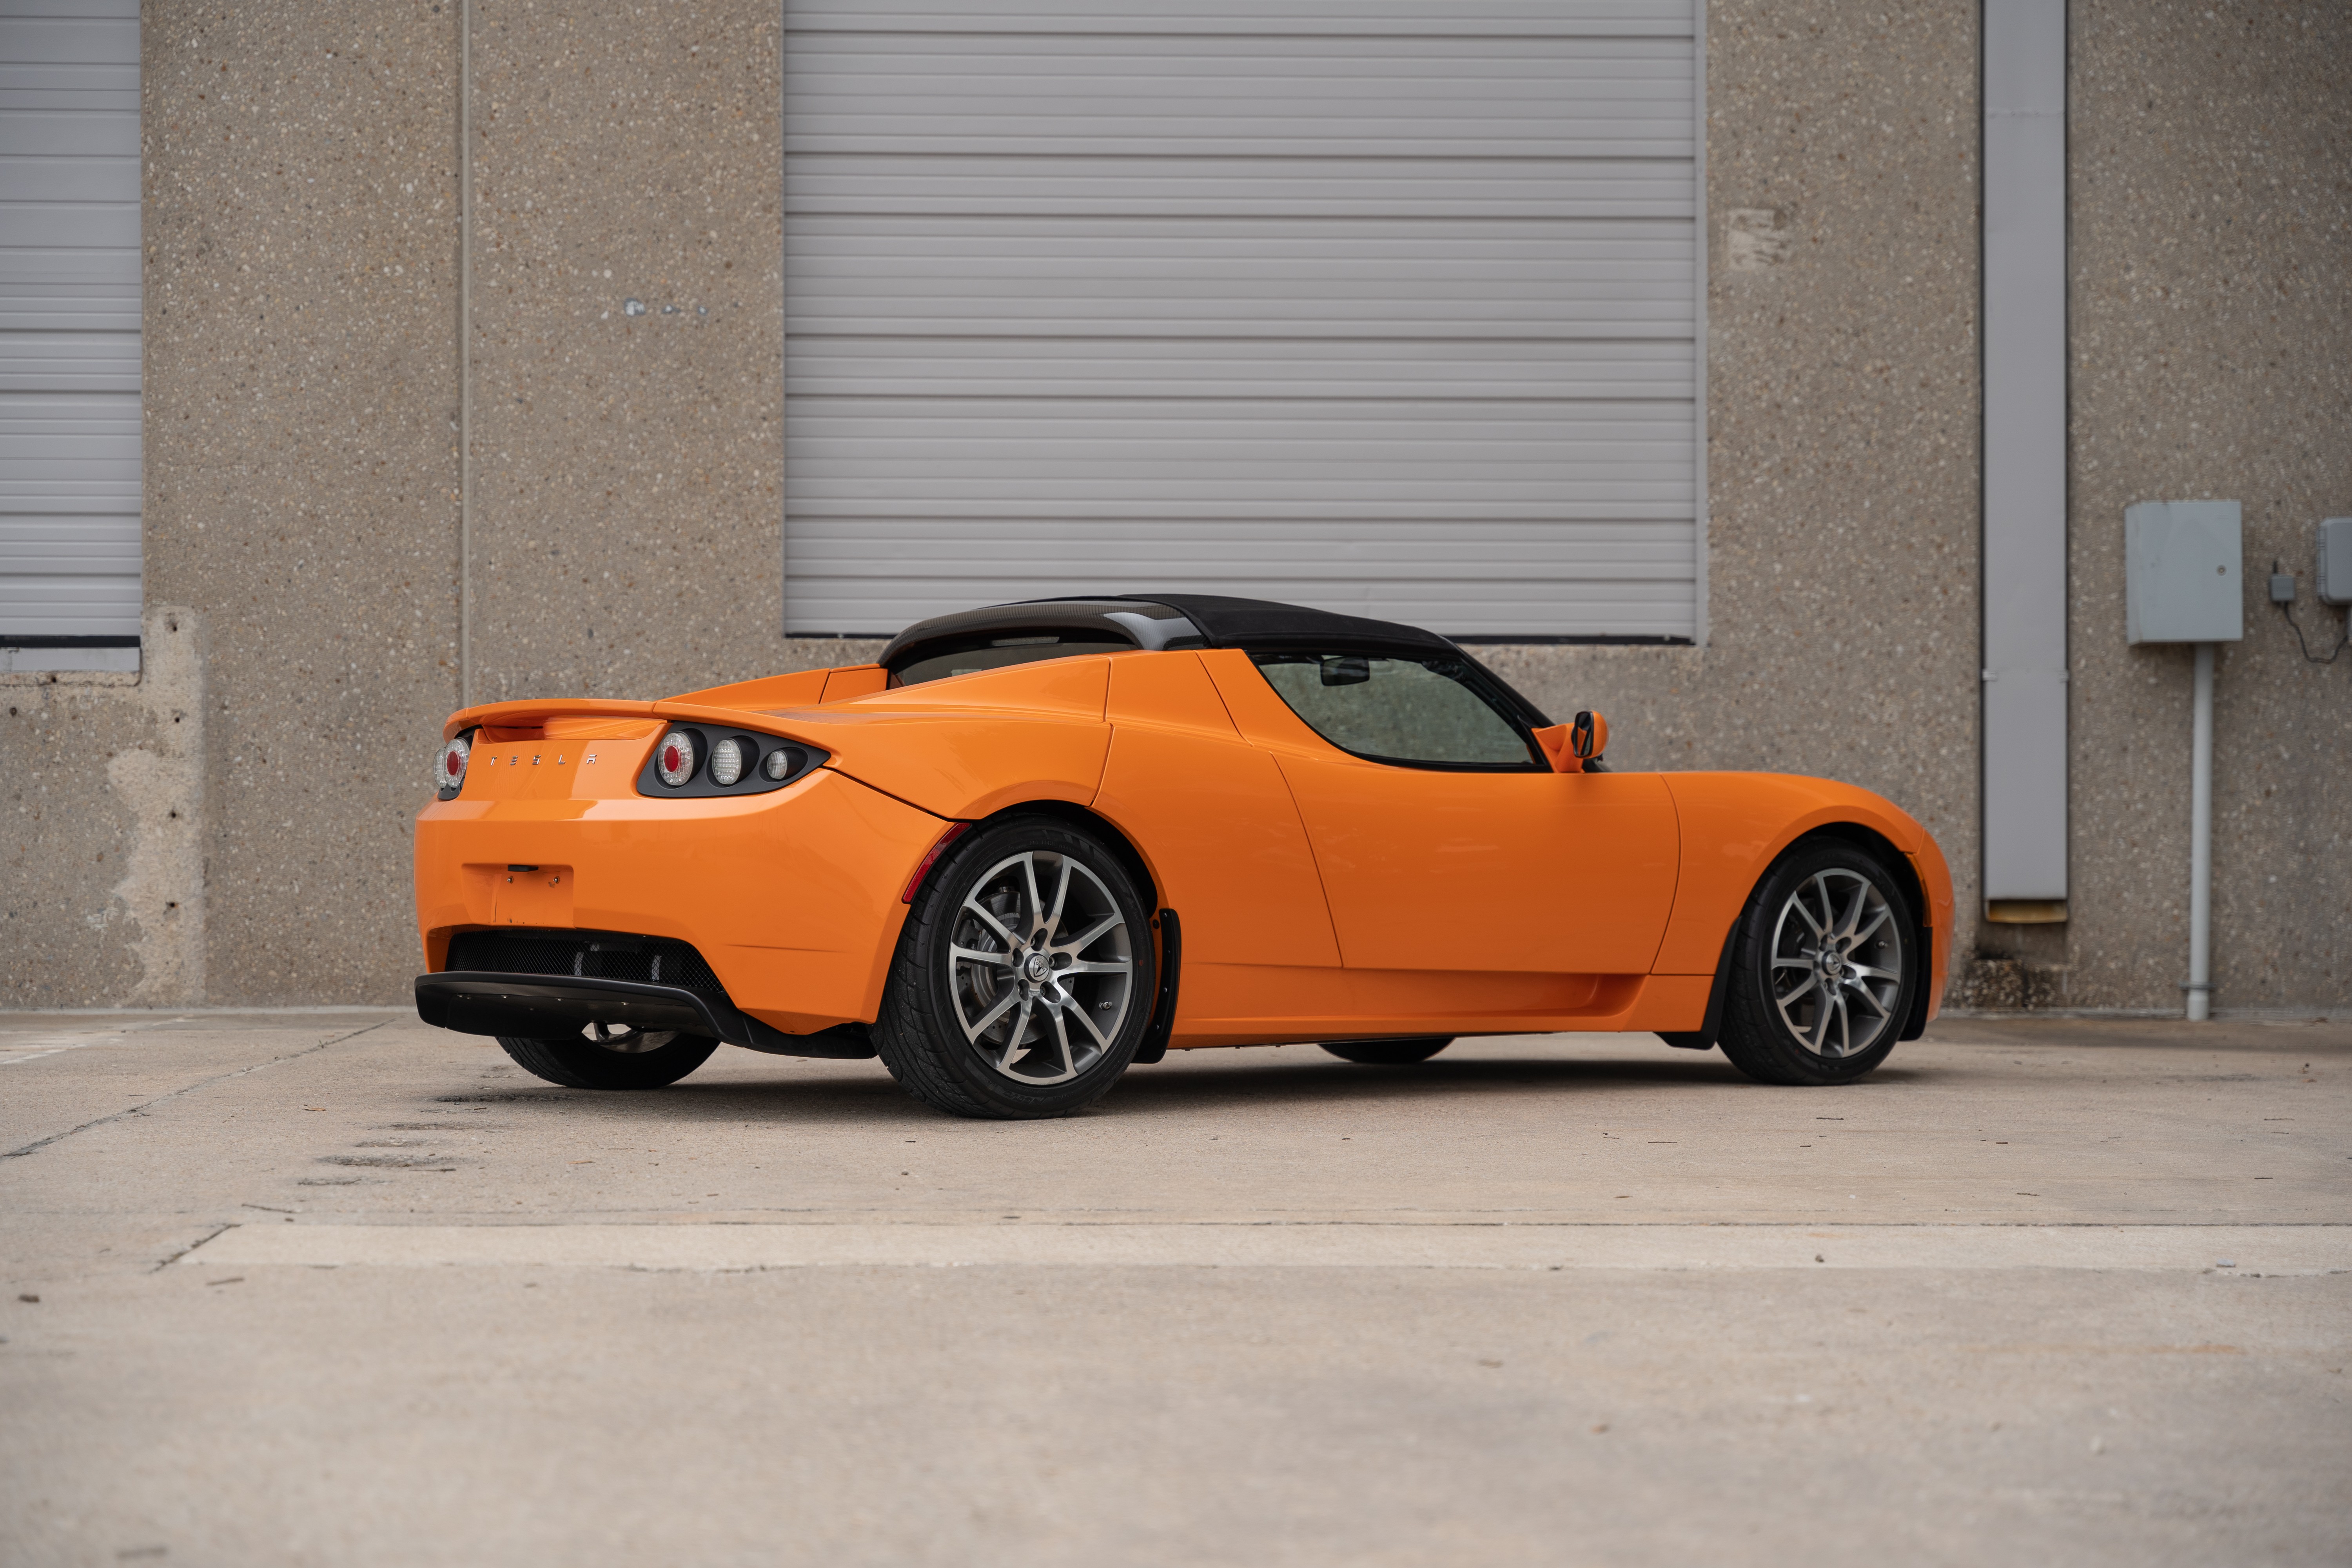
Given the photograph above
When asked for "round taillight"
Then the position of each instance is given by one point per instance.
(674, 757)
(450, 771)
(778, 763)
(726, 762)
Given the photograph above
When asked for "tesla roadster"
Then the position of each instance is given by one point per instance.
(1039, 843)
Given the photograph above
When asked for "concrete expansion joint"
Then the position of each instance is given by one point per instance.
(141, 1110)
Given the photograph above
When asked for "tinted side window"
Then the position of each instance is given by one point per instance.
(1398, 710)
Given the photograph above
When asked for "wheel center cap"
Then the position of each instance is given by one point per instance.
(1033, 967)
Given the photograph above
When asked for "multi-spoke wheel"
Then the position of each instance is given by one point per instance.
(1823, 969)
(1022, 978)
(1042, 967)
(605, 1055)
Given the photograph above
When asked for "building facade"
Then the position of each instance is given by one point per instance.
(364, 355)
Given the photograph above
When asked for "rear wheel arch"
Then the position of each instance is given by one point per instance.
(1071, 815)
(1167, 951)
(985, 936)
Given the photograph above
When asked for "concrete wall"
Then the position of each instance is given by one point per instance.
(102, 887)
(302, 462)
(629, 469)
(2210, 154)
(303, 516)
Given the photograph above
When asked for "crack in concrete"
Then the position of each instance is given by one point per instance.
(40, 1143)
(217, 1230)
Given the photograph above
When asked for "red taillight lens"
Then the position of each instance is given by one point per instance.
(673, 758)
(451, 768)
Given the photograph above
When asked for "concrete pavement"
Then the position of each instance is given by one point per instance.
(339, 1288)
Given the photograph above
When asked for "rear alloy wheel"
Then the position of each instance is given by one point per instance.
(1022, 984)
(1823, 969)
(604, 1057)
(1396, 1053)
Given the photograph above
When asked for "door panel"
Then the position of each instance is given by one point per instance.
(1563, 873)
(1216, 821)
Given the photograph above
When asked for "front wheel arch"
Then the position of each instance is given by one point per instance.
(1898, 867)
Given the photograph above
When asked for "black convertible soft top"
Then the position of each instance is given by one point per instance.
(1262, 624)
(1054, 628)
(1166, 620)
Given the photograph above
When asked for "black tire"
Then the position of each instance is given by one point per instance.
(1396, 1053)
(1776, 1028)
(992, 1009)
(576, 1062)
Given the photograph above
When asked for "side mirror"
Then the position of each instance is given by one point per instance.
(1588, 736)
(1575, 748)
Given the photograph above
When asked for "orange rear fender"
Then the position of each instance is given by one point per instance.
(792, 896)
(968, 746)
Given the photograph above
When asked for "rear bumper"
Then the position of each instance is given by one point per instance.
(538, 1006)
(792, 897)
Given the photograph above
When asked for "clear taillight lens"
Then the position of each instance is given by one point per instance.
(450, 771)
(726, 762)
(673, 758)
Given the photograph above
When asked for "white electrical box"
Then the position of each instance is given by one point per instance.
(2183, 568)
(2335, 559)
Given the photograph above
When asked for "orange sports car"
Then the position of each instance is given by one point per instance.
(1041, 842)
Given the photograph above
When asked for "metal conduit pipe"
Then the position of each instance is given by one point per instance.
(2183, 562)
(2200, 839)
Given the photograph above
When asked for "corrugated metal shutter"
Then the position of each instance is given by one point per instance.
(1384, 306)
(68, 320)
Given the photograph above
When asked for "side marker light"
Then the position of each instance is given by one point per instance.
(914, 884)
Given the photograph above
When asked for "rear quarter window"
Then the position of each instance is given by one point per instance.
(935, 663)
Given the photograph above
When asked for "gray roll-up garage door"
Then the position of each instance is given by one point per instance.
(68, 332)
(1384, 306)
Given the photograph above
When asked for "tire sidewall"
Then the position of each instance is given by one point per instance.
(932, 925)
(1758, 1042)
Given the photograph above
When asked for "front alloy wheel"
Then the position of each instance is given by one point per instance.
(1823, 969)
(1837, 964)
(1021, 985)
